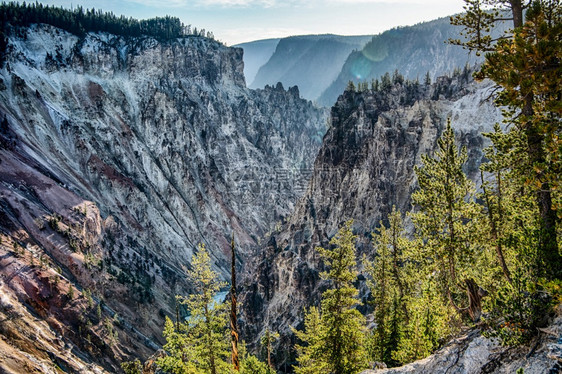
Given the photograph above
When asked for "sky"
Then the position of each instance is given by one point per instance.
(237, 21)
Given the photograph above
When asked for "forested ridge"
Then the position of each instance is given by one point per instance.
(80, 21)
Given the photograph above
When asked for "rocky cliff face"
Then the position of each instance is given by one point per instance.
(256, 54)
(365, 166)
(120, 155)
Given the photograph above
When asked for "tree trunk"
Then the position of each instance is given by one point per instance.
(517, 12)
(397, 274)
(475, 295)
(212, 364)
(549, 256)
(493, 225)
(269, 365)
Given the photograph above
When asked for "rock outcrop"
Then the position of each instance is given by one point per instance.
(120, 154)
(365, 166)
(473, 353)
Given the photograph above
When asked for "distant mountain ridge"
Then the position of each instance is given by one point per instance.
(412, 50)
(311, 62)
(322, 65)
(256, 54)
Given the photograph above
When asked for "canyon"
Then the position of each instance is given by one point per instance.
(120, 154)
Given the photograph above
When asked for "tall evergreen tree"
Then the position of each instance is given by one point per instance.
(267, 341)
(429, 321)
(333, 337)
(233, 311)
(201, 343)
(446, 222)
(388, 285)
(527, 66)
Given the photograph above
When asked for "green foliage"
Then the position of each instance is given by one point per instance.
(251, 365)
(334, 338)
(70, 293)
(389, 285)
(179, 346)
(88, 295)
(386, 83)
(266, 342)
(528, 69)
(526, 66)
(478, 22)
(201, 343)
(350, 86)
(428, 325)
(54, 221)
(515, 310)
(447, 218)
(522, 198)
(411, 316)
(311, 357)
(111, 332)
(132, 367)
(427, 79)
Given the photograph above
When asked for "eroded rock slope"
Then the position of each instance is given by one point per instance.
(118, 156)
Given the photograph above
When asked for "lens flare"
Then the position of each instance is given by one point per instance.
(361, 67)
(375, 52)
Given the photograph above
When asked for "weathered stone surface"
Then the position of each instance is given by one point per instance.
(163, 135)
(473, 353)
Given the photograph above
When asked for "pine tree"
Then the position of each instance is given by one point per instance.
(388, 285)
(132, 367)
(201, 343)
(334, 337)
(311, 356)
(233, 311)
(427, 79)
(446, 222)
(513, 231)
(500, 198)
(527, 68)
(386, 83)
(429, 322)
(266, 341)
(251, 365)
(180, 349)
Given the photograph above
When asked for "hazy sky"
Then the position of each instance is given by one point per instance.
(236, 21)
